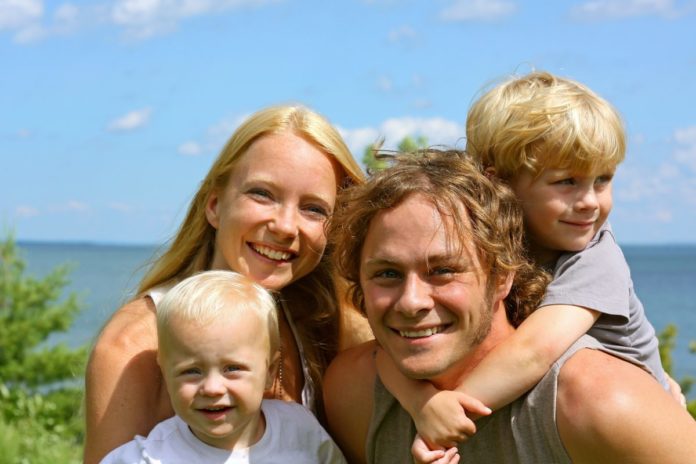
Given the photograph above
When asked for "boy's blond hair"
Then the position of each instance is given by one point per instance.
(541, 120)
(209, 296)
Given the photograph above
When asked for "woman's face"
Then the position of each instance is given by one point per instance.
(270, 216)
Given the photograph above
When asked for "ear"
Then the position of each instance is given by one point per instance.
(211, 209)
(503, 288)
(489, 171)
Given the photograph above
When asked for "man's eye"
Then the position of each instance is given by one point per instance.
(387, 274)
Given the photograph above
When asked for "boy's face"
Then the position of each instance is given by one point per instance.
(216, 374)
(562, 210)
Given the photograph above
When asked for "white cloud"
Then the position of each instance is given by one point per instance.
(18, 14)
(438, 131)
(473, 10)
(120, 207)
(384, 83)
(26, 211)
(76, 206)
(145, 18)
(402, 34)
(615, 9)
(686, 151)
(190, 149)
(214, 139)
(22, 18)
(130, 121)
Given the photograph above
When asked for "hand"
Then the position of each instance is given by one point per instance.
(423, 455)
(676, 391)
(443, 421)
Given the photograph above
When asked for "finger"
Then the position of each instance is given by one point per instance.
(422, 454)
(474, 405)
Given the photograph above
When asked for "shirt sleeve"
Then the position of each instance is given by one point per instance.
(596, 278)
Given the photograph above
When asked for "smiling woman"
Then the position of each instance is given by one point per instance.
(260, 211)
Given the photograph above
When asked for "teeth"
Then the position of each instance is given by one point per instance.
(218, 408)
(420, 333)
(272, 254)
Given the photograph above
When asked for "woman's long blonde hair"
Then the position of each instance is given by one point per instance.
(312, 300)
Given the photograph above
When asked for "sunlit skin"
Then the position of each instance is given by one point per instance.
(216, 374)
(428, 303)
(270, 216)
(562, 210)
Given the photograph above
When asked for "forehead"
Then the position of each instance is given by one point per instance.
(289, 153)
(224, 331)
(412, 231)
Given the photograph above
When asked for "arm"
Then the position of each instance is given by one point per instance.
(517, 364)
(440, 416)
(348, 398)
(124, 390)
(609, 411)
(507, 372)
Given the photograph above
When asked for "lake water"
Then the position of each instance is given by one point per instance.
(104, 276)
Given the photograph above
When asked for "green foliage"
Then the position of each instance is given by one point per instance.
(40, 398)
(412, 145)
(408, 145)
(667, 341)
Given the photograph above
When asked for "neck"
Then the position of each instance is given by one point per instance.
(501, 329)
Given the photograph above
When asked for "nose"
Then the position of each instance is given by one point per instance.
(416, 296)
(284, 222)
(212, 385)
(587, 199)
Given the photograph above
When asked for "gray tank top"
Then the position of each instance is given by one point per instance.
(521, 432)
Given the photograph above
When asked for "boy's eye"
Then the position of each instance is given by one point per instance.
(232, 368)
(566, 181)
(605, 179)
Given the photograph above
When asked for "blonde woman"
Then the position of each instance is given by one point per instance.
(260, 211)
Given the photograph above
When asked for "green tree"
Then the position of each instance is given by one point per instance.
(40, 397)
(667, 340)
(407, 145)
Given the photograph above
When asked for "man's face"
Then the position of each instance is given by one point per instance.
(426, 300)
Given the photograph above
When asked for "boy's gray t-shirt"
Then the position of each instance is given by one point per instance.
(598, 278)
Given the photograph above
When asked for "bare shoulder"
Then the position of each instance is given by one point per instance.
(348, 398)
(124, 389)
(609, 410)
(354, 328)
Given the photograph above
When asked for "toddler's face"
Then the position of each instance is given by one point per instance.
(216, 374)
(563, 210)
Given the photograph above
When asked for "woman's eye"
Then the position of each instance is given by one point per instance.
(317, 211)
(260, 193)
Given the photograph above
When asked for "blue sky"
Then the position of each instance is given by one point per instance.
(112, 111)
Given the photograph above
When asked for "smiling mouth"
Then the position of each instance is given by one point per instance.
(422, 333)
(215, 410)
(270, 253)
